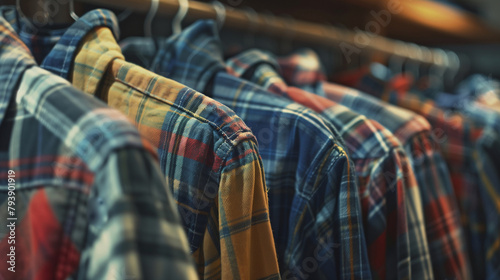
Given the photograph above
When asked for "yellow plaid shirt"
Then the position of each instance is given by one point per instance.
(209, 156)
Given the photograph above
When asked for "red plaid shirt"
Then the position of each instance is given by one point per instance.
(465, 143)
(444, 232)
(393, 216)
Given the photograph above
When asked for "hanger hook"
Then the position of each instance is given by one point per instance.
(444, 58)
(148, 22)
(416, 58)
(72, 10)
(397, 59)
(438, 70)
(124, 15)
(454, 67)
(454, 62)
(220, 11)
(179, 17)
(426, 54)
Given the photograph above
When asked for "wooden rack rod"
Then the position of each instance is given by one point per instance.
(286, 28)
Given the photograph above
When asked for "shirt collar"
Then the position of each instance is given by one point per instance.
(478, 85)
(57, 48)
(16, 58)
(192, 57)
(302, 68)
(258, 67)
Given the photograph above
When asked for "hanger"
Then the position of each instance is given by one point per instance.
(179, 17)
(396, 60)
(427, 55)
(220, 11)
(438, 69)
(124, 15)
(45, 15)
(72, 10)
(425, 68)
(450, 77)
(413, 65)
(148, 21)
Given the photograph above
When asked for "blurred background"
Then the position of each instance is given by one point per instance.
(471, 28)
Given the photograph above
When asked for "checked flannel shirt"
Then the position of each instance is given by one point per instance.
(207, 154)
(475, 97)
(445, 235)
(486, 91)
(90, 199)
(384, 172)
(314, 204)
(467, 146)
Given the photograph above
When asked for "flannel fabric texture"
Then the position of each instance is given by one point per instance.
(89, 200)
(314, 204)
(208, 155)
(379, 154)
(445, 235)
(464, 140)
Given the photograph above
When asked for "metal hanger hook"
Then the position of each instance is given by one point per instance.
(148, 22)
(416, 55)
(72, 10)
(454, 66)
(179, 17)
(454, 61)
(397, 59)
(220, 11)
(124, 15)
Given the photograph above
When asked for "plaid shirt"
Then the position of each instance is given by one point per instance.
(89, 198)
(208, 155)
(466, 144)
(477, 97)
(445, 235)
(313, 198)
(381, 166)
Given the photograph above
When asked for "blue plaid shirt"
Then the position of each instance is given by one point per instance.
(90, 200)
(379, 157)
(208, 155)
(314, 205)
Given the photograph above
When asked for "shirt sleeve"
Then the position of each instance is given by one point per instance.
(326, 238)
(135, 230)
(420, 260)
(238, 242)
(487, 163)
(444, 232)
(384, 212)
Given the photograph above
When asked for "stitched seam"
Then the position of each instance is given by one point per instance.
(194, 115)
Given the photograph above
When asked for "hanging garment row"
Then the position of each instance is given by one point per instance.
(186, 165)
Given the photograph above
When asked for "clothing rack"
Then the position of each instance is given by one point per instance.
(293, 29)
